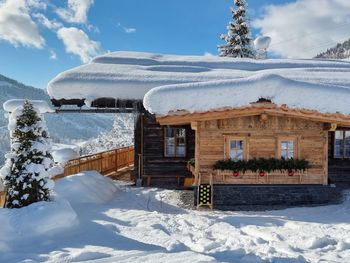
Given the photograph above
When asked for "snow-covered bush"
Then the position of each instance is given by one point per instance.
(29, 164)
(238, 42)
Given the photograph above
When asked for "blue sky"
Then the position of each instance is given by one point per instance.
(53, 36)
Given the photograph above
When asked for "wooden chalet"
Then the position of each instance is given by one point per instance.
(165, 142)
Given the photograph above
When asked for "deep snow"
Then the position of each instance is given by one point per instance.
(115, 222)
(130, 75)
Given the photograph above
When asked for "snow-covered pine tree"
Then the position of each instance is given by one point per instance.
(26, 174)
(238, 40)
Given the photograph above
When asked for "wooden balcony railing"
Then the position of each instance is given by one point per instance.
(103, 162)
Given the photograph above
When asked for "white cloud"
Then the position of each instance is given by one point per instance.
(129, 30)
(53, 54)
(305, 28)
(76, 11)
(50, 24)
(78, 43)
(39, 4)
(16, 25)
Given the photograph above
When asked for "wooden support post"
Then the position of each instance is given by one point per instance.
(116, 159)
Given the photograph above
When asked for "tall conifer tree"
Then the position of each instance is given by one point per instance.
(238, 40)
(26, 172)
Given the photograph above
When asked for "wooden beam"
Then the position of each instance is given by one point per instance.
(194, 125)
(182, 117)
(330, 126)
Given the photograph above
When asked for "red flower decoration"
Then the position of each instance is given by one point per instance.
(235, 173)
(290, 173)
(261, 173)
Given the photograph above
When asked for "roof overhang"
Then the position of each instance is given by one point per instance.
(254, 109)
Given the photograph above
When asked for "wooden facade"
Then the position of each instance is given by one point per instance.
(151, 162)
(262, 139)
(262, 127)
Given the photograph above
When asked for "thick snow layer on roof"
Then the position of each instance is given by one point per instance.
(214, 95)
(40, 105)
(130, 75)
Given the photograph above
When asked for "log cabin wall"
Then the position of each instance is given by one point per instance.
(262, 140)
(338, 168)
(156, 168)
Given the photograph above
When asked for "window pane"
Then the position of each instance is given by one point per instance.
(181, 147)
(239, 155)
(175, 142)
(287, 149)
(236, 150)
(347, 144)
(338, 144)
(347, 138)
(169, 132)
(170, 146)
(181, 133)
(347, 151)
(284, 154)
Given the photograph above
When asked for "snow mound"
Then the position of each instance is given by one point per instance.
(64, 155)
(214, 95)
(37, 219)
(87, 187)
(40, 105)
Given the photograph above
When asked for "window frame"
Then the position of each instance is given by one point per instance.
(228, 140)
(175, 142)
(342, 145)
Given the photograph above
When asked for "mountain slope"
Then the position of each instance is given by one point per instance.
(340, 51)
(63, 128)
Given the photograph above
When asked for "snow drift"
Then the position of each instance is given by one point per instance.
(87, 187)
(42, 218)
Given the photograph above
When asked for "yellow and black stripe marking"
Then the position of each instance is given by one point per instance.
(204, 194)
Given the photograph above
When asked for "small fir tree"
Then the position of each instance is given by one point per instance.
(26, 174)
(238, 40)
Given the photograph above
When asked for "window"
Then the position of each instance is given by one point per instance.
(287, 149)
(236, 149)
(175, 142)
(342, 144)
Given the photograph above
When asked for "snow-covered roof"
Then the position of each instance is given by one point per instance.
(130, 75)
(226, 94)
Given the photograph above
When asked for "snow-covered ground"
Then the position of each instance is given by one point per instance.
(95, 220)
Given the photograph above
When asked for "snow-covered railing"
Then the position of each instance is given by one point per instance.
(103, 162)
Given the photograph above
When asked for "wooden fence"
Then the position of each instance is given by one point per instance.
(103, 162)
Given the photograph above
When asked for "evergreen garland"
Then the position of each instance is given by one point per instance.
(263, 164)
(191, 162)
(25, 173)
(238, 40)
